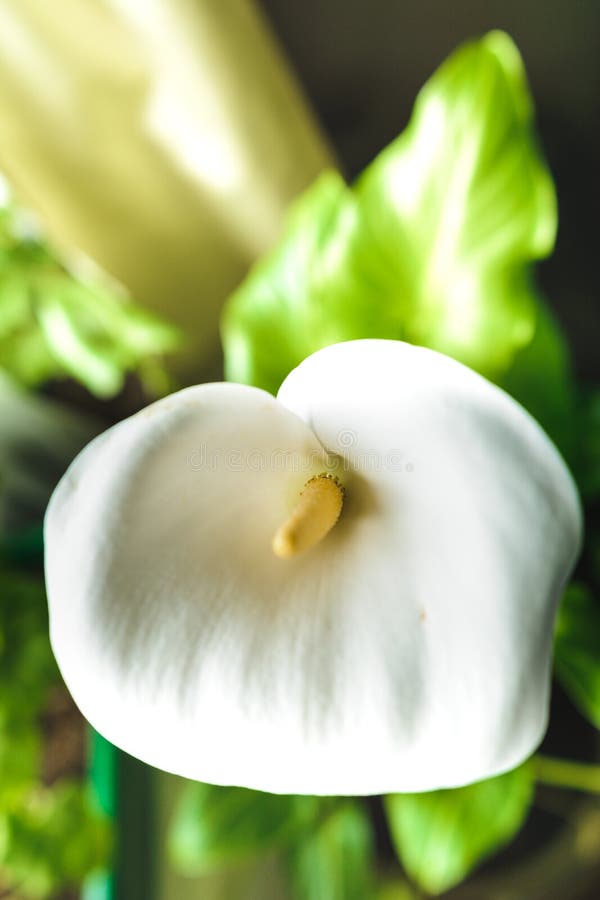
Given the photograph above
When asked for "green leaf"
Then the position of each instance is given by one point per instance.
(73, 351)
(541, 379)
(432, 246)
(577, 650)
(291, 303)
(441, 836)
(214, 826)
(335, 860)
(56, 323)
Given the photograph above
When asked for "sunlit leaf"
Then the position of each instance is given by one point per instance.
(432, 246)
(441, 836)
(56, 323)
(73, 352)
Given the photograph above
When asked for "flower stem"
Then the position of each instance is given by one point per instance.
(565, 773)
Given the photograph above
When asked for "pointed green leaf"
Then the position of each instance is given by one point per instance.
(577, 650)
(433, 245)
(441, 836)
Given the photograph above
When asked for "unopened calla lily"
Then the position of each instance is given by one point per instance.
(167, 149)
(347, 589)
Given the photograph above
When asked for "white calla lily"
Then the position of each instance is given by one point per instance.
(408, 649)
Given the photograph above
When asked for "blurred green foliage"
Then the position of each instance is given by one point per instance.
(56, 322)
(440, 836)
(51, 835)
(577, 650)
(214, 826)
(55, 839)
(327, 842)
(334, 858)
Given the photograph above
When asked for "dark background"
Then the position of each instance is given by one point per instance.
(362, 62)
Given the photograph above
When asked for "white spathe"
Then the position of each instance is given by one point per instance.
(410, 650)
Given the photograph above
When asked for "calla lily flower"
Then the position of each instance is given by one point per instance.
(347, 589)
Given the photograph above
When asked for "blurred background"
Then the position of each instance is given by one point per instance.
(151, 150)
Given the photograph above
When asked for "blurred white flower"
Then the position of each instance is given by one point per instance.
(404, 647)
(164, 139)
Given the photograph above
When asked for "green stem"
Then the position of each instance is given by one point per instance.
(567, 774)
